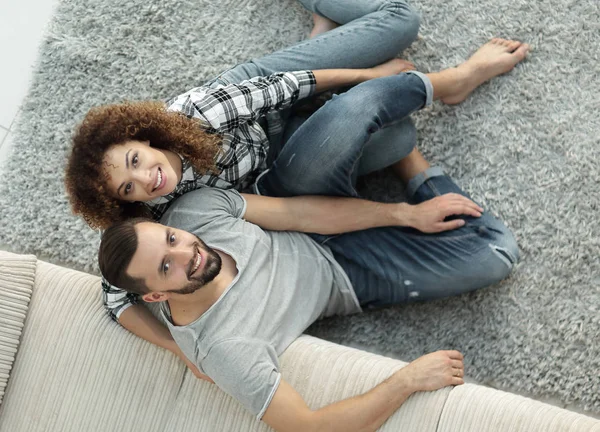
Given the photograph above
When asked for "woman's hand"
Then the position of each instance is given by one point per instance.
(391, 67)
(428, 216)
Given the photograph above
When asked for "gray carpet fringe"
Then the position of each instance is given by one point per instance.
(525, 146)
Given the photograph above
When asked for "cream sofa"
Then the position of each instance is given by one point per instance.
(65, 366)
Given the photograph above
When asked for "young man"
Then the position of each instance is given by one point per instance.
(234, 296)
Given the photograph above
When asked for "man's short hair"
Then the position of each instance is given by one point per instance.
(117, 247)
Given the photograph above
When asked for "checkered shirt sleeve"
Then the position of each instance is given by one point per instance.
(225, 108)
(116, 300)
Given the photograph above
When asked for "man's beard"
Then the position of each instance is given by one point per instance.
(212, 267)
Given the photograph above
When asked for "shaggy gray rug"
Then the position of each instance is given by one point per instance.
(526, 146)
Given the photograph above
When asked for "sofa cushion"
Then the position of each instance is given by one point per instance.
(472, 408)
(17, 276)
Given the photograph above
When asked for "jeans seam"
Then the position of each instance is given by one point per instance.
(458, 237)
(355, 167)
(392, 6)
(432, 186)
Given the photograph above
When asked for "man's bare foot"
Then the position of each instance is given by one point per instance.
(496, 57)
(321, 25)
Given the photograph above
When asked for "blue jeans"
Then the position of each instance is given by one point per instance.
(395, 265)
(371, 32)
(388, 265)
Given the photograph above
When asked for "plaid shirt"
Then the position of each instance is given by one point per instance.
(231, 111)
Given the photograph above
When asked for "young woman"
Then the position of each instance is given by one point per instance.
(226, 132)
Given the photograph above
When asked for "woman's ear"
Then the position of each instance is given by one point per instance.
(154, 297)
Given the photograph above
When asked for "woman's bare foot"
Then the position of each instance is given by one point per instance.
(392, 67)
(321, 25)
(496, 57)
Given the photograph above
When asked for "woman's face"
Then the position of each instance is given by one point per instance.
(137, 172)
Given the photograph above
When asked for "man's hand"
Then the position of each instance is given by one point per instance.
(428, 216)
(191, 366)
(434, 371)
(391, 67)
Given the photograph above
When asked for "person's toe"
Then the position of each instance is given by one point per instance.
(521, 51)
(513, 45)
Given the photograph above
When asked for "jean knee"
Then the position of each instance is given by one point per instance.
(361, 103)
(506, 250)
(411, 19)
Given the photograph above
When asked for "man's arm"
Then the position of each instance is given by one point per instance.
(140, 321)
(288, 412)
(335, 215)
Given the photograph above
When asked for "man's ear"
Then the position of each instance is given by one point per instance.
(154, 297)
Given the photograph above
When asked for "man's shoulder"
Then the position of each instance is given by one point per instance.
(202, 201)
(192, 198)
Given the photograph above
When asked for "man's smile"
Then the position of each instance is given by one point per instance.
(195, 263)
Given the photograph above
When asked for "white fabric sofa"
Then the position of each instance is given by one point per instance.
(65, 366)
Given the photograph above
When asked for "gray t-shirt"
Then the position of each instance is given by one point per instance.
(285, 282)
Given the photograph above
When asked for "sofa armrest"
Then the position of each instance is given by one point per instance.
(474, 408)
(17, 276)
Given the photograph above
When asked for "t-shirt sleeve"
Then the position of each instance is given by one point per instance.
(203, 206)
(246, 369)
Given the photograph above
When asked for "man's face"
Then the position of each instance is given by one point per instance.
(137, 172)
(171, 261)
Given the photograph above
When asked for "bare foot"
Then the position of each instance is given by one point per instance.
(392, 67)
(496, 57)
(321, 25)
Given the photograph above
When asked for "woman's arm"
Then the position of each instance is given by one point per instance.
(333, 78)
(226, 107)
(140, 321)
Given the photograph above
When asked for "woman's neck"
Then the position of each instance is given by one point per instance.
(175, 162)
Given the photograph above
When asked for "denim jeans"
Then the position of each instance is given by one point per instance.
(324, 155)
(371, 32)
(394, 264)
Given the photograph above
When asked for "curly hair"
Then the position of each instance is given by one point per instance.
(109, 125)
